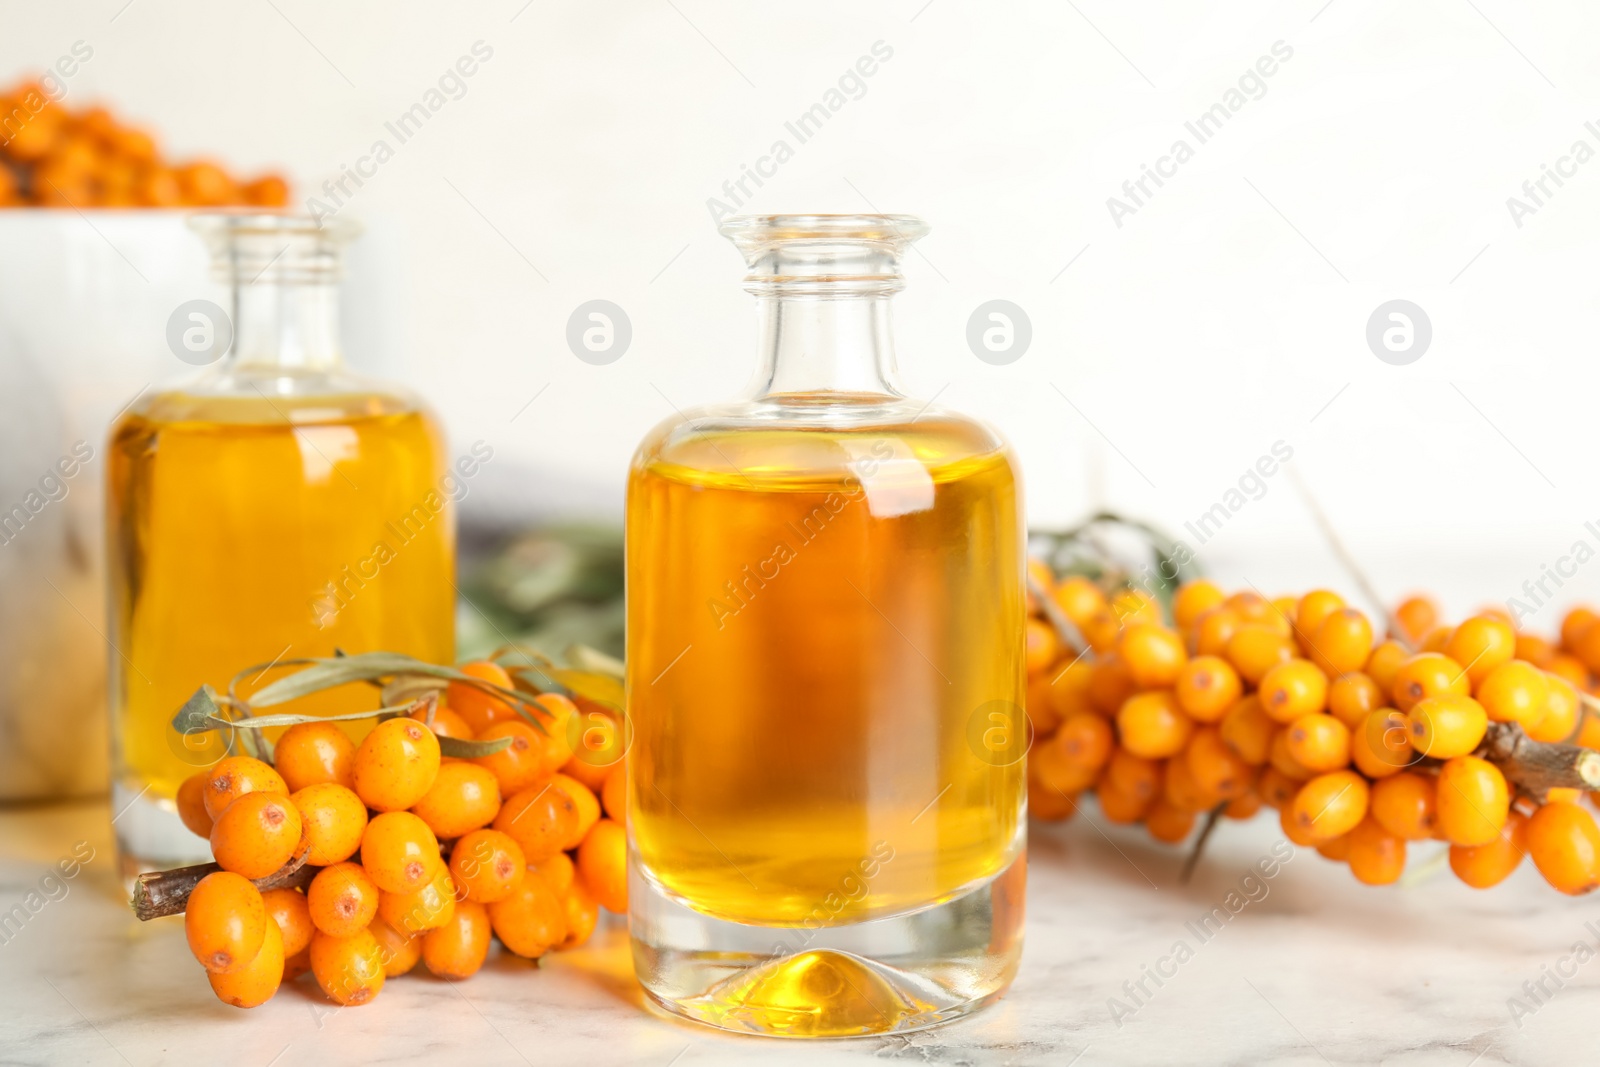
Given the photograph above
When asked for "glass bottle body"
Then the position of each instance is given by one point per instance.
(825, 605)
(275, 507)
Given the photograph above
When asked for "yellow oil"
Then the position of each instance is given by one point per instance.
(821, 624)
(245, 530)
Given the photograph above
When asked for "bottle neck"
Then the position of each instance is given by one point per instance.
(286, 325)
(826, 344)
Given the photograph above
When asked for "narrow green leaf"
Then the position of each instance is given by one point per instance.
(463, 749)
(267, 722)
(342, 670)
(197, 712)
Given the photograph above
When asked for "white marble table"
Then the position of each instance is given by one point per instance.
(1317, 970)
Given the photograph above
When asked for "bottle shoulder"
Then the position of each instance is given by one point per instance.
(775, 446)
(248, 396)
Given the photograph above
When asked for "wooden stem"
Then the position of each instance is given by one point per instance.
(1537, 767)
(160, 893)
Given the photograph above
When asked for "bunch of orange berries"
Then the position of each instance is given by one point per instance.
(55, 156)
(419, 857)
(1362, 745)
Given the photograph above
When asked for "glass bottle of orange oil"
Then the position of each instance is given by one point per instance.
(825, 672)
(272, 506)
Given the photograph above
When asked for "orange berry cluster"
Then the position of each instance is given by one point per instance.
(420, 856)
(1361, 745)
(54, 156)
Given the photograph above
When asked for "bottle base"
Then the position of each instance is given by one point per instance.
(150, 836)
(892, 975)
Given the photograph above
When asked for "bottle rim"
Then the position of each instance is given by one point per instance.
(802, 227)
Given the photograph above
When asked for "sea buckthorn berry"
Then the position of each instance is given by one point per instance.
(225, 921)
(1249, 605)
(1381, 746)
(521, 764)
(349, 969)
(425, 909)
(1574, 625)
(588, 805)
(1216, 769)
(1214, 629)
(603, 865)
(253, 984)
(1079, 599)
(1562, 712)
(1048, 765)
(446, 723)
(1193, 599)
(464, 797)
(1042, 717)
(1135, 776)
(1297, 833)
(1281, 758)
(1337, 849)
(256, 835)
(1416, 616)
(1152, 725)
(1207, 687)
(1084, 740)
(1133, 606)
(399, 852)
(1110, 684)
(191, 801)
(486, 865)
(1483, 866)
(1480, 644)
(458, 948)
(1571, 668)
(1384, 664)
(1473, 801)
(1376, 856)
(1277, 789)
(1101, 630)
(539, 820)
(1249, 730)
(1244, 806)
(1330, 804)
(333, 819)
(1153, 654)
(235, 776)
(288, 910)
(395, 764)
(1312, 609)
(1118, 807)
(342, 900)
(478, 707)
(1448, 725)
(1255, 648)
(1179, 787)
(399, 951)
(1041, 645)
(1587, 648)
(1516, 691)
(583, 914)
(614, 793)
(560, 871)
(1352, 697)
(1068, 688)
(1168, 823)
(1040, 575)
(1565, 846)
(531, 921)
(1047, 804)
(1319, 742)
(1534, 649)
(1342, 643)
(1406, 805)
(311, 753)
(1292, 689)
(1427, 674)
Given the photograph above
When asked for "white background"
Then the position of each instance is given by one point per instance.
(1228, 313)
